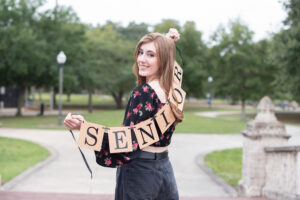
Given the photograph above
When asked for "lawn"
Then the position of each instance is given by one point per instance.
(18, 155)
(227, 164)
(191, 123)
(285, 117)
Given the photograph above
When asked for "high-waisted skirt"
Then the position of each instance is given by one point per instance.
(146, 178)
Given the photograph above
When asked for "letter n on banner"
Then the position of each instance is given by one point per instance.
(91, 136)
(178, 73)
(119, 139)
(180, 95)
(164, 118)
(146, 133)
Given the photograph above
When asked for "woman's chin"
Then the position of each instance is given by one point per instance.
(144, 74)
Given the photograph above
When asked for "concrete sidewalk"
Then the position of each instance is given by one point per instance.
(61, 196)
(68, 174)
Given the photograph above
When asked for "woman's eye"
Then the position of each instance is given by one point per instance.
(140, 52)
(151, 54)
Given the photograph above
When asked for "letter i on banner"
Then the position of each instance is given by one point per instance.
(164, 118)
(91, 136)
(146, 133)
(119, 139)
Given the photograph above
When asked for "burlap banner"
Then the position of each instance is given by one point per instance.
(119, 138)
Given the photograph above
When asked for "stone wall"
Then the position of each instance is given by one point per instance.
(263, 131)
(282, 169)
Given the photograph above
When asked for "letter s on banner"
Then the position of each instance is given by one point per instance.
(91, 136)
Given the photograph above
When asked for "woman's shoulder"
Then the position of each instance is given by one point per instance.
(143, 89)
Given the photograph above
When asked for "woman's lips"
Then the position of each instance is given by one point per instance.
(142, 68)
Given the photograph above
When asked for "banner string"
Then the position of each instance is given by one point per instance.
(180, 55)
(83, 157)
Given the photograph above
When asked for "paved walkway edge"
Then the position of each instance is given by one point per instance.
(217, 179)
(10, 184)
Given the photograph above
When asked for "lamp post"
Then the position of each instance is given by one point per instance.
(61, 59)
(209, 95)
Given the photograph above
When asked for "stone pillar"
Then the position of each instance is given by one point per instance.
(261, 132)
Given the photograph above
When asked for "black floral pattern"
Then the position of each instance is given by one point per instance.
(142, 105)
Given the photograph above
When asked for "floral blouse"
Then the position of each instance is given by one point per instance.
(142, 105)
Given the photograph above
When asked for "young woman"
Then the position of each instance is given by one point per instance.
(145, 173)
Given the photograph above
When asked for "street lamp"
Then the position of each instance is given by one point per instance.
(61, 59)
(209, 95)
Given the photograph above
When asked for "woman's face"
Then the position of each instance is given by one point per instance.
(147, 61)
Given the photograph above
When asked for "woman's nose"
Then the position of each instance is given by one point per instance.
(141, 58)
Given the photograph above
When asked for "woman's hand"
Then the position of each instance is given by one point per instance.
(173, 34)
(73, 122)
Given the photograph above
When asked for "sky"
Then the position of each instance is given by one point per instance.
(261, 16)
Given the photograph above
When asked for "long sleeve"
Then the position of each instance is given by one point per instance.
(142, 105)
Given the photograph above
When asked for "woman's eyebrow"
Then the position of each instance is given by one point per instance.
(147, 50)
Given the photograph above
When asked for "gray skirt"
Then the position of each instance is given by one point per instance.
(146, 178)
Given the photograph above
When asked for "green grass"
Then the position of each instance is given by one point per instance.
(191, 123)
(227, 164)
(285, 117)
(18, 155)
(76, 99)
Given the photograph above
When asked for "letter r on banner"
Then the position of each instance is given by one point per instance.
(164, 118)
(146, 133)
(119, 139)
(90, 136)
(177, 74)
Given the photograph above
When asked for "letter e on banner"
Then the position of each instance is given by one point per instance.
(146, 133)
(164, 118)
(178, 73)
(180, 95)
(119, 139)
(90, 136)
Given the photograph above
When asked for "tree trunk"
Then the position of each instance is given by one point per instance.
(20, 100)
(54, 100)
(118, 98)
(243, 113)
(68, 97)
(40, 95)
(51, 98)
(90, 101)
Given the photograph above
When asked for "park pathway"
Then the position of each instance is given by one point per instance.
(66, 175)
(67, 172)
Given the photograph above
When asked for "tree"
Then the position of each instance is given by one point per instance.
(241, 68)
(291, 58)
(21, 52)
(283, 84)
(115, 60)
(194, 53)
(62, 30)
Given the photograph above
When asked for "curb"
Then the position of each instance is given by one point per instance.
(217, 179)
(31, 170)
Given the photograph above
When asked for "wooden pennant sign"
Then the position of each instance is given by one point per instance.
(178, 73)
(119, 139)
(91, 136)
(146, 133)
(164, 118)
(180, 95)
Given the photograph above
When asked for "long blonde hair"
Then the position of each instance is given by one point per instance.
(166, 51)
